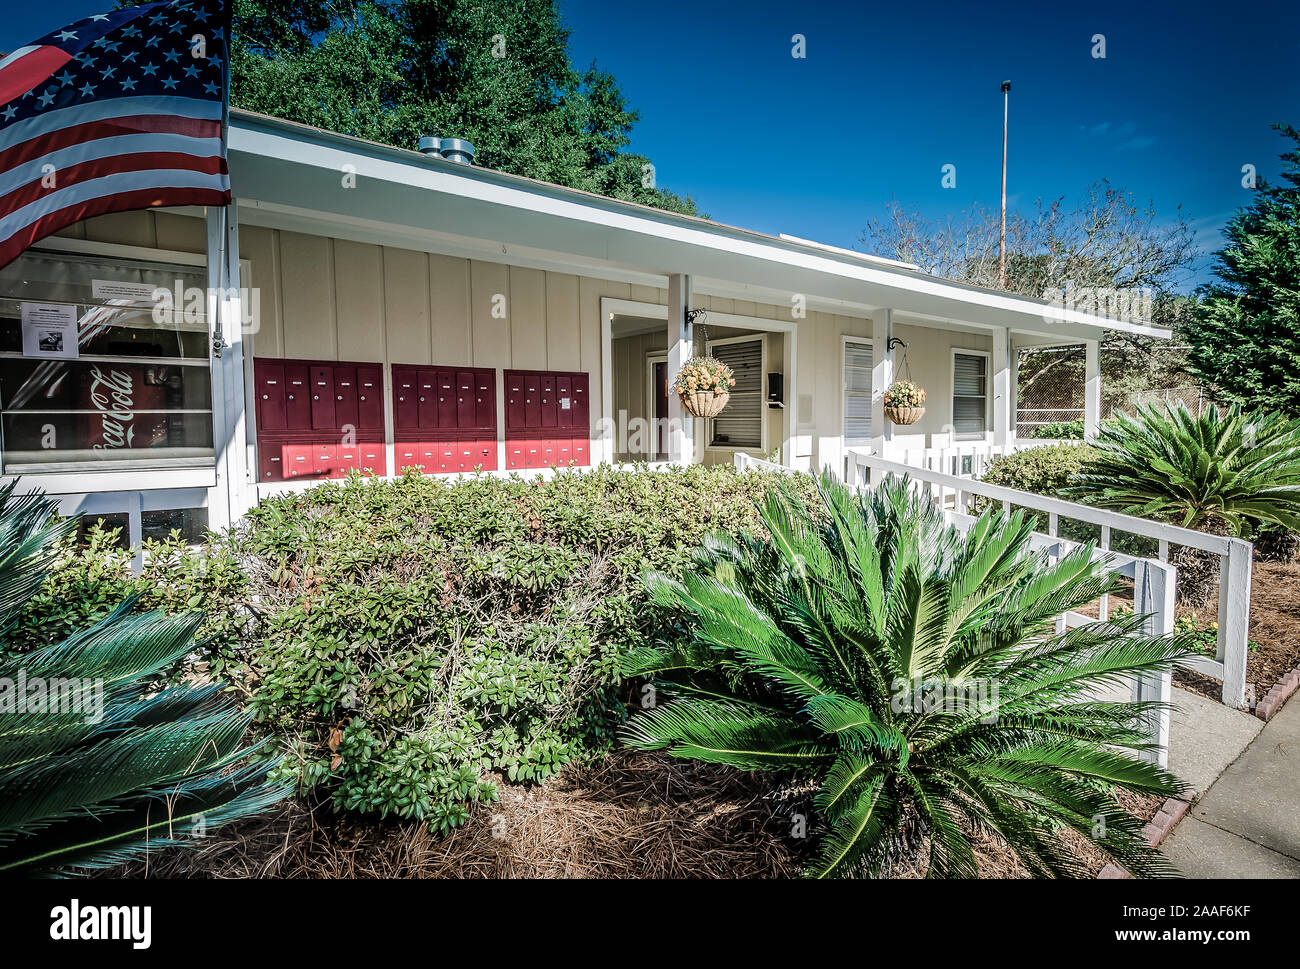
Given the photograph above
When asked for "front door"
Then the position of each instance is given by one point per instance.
(661, 409)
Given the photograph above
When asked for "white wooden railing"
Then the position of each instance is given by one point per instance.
(962, 458)
(1153, 597)
(955, 491)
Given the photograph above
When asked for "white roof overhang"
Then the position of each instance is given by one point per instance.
(293, 176)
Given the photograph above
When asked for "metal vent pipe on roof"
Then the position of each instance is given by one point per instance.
(430, 145)
(457, 150)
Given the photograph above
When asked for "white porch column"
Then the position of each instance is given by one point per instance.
(233, 494)
(1091, 388)
(1004, 432)
(882, 375)
(681, 426)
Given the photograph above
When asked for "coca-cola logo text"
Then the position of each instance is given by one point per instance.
(113, 395)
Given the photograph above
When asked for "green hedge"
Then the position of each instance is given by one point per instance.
(1060, 431)
(399, 640)
(1045, 471)
(1042, 470)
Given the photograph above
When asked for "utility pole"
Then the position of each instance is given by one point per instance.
(1002, 233)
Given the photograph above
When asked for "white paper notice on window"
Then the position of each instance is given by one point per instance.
(107, 289)
(49, 330)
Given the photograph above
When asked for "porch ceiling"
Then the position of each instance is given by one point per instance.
(293, 176)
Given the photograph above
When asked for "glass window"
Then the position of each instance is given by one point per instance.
(113, 521)
(135, 391)
(192, 523)
(741, 424)
(969, 393)
(857, 392)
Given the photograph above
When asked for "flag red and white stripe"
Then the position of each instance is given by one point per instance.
(69, 153)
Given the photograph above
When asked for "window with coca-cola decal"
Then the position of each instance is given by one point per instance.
(133, 391)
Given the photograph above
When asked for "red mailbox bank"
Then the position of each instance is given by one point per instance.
(548, 419)
(444, 418)
(318, 419)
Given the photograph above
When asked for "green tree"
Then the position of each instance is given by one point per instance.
(494, 72)
(1246, 337)
(1105, 244)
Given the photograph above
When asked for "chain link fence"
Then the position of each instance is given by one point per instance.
(1050, 390)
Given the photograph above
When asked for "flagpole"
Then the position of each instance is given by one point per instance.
(1002, 232)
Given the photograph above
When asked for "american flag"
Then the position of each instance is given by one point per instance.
(120, 111)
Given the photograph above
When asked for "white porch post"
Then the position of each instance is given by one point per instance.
(681, 426)
(882, 375)
(1004, 432)
(1092, 388)
(232, 495)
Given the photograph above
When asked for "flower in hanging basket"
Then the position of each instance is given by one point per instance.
(904, 393)
(903, 402)
(704, 375)
(704, 386)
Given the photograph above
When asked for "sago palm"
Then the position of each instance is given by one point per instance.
(914, 671)
(96, 763)
(1227, 473)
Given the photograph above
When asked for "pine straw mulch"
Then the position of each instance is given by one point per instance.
(1274, 625)
(630, 815)
(626, 816)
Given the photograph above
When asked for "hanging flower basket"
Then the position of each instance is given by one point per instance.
(704, 386)
(704, 404)
(904, 415)
(903, 402)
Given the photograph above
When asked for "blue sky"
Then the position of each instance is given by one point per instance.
(890, 92)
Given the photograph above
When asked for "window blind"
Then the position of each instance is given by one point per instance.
(857, 393)
(969, 393)
(741, 424)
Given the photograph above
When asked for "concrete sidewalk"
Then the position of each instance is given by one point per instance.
(1247, 823)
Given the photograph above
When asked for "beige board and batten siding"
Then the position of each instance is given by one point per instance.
(929, 356)
(325, 298)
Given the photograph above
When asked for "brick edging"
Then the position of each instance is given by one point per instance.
(1155, 831)
(1277, 695)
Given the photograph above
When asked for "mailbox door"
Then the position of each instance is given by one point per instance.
(548, 415)
(346, 397)
(322, 398)
(463, 395)
(370, 400)
(347, 457)
(269, 381)
(297, 397)
(427, 394)
(372, 458)
(532, 400)
(270, 462)
(408, 455)
(299, 461)
(564, 400)
(485, 400)
(514, 400)
(446, 388)
(581, 403)
(406, 399)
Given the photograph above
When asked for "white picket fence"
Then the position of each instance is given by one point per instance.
(1153, 595)
(954, 491)
(962, 457)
